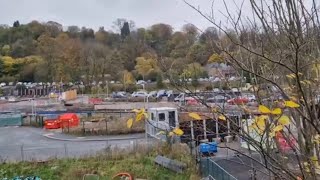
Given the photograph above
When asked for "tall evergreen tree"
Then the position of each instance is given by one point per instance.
(125, 30)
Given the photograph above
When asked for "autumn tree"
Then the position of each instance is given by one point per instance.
(278, 47)
(145, 66)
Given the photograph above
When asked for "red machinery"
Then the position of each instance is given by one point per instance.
(52, 124)
(63, 121)
(69, 120)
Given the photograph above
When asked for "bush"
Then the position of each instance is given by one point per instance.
(195, 82)
(208, 87)
(159, 81)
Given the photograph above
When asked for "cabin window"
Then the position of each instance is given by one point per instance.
(172, 118)
(162, 117)
(152, 116)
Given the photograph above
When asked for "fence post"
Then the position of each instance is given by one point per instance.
(22, 153)
(65, 150)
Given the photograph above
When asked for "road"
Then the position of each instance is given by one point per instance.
(26, 143)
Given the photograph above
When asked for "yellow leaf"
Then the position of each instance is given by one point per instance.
(308, 82)
(195, 116)
(276, 111)
(222, 117)
(130, 123)
(291, 76)
(263, 109)
(139, 117)
(142, 110)
(170, 134)
(303, 83)
(272, 134)
(214, 110)
(145, 115)
(291, 104)
(278, 128)
(178, 131)
(284, 120)
(161, 133)
(261, 122)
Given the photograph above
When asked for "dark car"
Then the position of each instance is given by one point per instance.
(119, 95)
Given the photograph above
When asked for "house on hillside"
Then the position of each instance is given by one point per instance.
(220, 70)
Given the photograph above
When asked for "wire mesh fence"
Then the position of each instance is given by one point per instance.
(212, 170)
(44, 152)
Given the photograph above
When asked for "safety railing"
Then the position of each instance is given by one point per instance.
(212, 170)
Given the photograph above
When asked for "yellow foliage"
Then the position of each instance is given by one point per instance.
(276, 111)
(214, 110)
(195, 116)
(170, 134)
(291, 76)
(140, 114)
(222, 117)
(284, 120)
(162, 132)
(192, 70)
(215, 58)
(278, 128)
(145, 66)
(291, 104)
(261, 122)
(316, 138)
(263, 109)
(136, 110)
(139, 117)
(178, 131)
(130, 123)
(128, 78)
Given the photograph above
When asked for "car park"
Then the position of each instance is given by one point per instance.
(119, 94)
(238, 101)
(140, 82)
(152, 94)
(183, 97)
(161, 93)
(250, 97)
(139, 94)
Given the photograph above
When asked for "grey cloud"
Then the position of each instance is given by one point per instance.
(96, 13)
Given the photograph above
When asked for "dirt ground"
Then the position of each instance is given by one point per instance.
(102, 125)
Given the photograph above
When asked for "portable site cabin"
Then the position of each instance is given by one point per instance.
(161, 119)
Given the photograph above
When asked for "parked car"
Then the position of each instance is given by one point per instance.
(238, 100)
(120, 94)
(183, 97)
(139, 94)
(161, 93)
(250, 97)
(152, 94)
(140, 82)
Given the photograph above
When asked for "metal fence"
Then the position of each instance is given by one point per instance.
(45, 151)
(213, 171)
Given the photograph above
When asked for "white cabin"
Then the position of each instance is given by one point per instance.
(161, 119)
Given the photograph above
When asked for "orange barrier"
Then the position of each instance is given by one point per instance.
(124, 174)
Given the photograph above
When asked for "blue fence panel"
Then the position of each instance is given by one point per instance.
(10, 120)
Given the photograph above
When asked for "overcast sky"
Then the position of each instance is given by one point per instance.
(97, 13)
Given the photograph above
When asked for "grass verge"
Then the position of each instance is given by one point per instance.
(140, 163)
